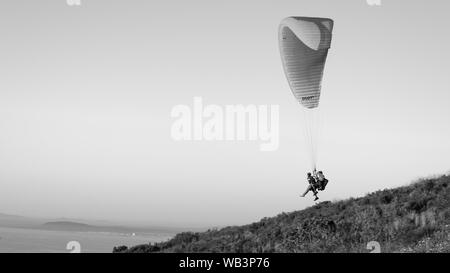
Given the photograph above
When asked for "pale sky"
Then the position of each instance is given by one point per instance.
(86, 94)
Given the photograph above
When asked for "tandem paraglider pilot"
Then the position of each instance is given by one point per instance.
(317, 182)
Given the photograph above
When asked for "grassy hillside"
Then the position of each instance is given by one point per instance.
(414, 218)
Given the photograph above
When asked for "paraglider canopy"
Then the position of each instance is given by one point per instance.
(304, 44)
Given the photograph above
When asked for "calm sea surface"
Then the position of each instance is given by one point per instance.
(33, 240)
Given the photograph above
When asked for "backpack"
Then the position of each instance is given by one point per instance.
(323, 184)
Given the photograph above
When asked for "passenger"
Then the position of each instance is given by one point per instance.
(311, 187)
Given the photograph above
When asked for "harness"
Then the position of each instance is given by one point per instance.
(319, 184)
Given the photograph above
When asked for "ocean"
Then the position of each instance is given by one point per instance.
(18, 240)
